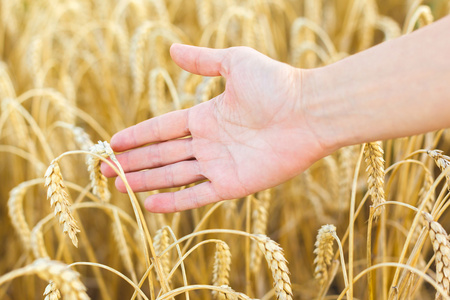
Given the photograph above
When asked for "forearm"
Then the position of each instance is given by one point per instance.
(398, 88)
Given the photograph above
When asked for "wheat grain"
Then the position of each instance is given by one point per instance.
(221, 272)
(277, 264)
(59, 199)
(323, 252)
(441, 247)
(373, 155)
(51, 291)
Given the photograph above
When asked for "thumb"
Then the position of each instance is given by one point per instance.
(200, 60)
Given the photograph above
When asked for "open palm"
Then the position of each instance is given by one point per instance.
(251, 137)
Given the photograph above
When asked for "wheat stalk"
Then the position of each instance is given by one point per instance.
(428, 182)
(277, 264)
(389, 27)
(119, 237)
(373, 155)
(59, 199)
(441, 247)
(19, 133)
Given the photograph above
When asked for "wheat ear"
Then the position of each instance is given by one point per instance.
(277, 264)
(373, 155)
(66, 279)
(259, 226)
(16, 214)
(323, 252)
(161, 242)
(98, 181)
(82, 138)
(221, 272)
(442, 161)
(59, 199)
(51, 291)
(441, 247)
(231, 294)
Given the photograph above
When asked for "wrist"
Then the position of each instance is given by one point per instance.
(323, 109)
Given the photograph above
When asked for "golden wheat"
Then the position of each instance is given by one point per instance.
(323, 252)
(277, 264)
(442, 161)
(222, 265)
(98, 181)
(441, 247)
(373, 155)
(59, 199)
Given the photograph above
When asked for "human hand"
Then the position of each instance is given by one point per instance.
(253, 136)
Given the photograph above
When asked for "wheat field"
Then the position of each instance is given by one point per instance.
(367, 222)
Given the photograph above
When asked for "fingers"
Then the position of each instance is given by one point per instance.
(201, 61)
(174, 175)
(162, 128)
(152, 156)
(193, 197)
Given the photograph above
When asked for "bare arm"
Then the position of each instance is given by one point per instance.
(398, 88)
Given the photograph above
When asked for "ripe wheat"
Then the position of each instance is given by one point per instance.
(59, 199)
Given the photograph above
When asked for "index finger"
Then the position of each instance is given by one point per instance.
(166, 127)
